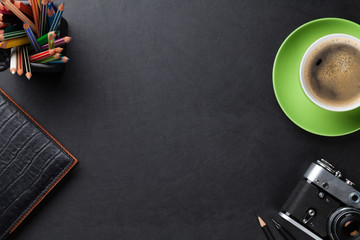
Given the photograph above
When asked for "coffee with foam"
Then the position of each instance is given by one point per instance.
(332, 72)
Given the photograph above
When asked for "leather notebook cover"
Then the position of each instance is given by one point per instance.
(32, 162)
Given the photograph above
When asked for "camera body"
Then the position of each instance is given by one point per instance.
(324, 205)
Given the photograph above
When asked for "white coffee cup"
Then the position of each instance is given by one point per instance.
(312, 47)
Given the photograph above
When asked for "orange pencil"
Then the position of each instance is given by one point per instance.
(19, 14)
(24, 8)
(36, 15)
(19, 61)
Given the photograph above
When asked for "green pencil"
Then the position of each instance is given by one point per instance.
(12, 35)
(51, 58)
(44, 39)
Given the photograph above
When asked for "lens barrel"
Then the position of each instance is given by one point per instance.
(344, 224)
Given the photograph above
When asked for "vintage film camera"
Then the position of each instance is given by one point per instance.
(324, 205)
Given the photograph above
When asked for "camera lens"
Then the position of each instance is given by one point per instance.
(351, 228)
(344, 224)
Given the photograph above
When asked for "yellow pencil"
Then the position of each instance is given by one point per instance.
(51, 37)
(14, 42)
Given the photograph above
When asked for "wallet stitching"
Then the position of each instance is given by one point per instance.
(71, 161)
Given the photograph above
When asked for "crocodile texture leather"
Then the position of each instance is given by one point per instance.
(31, 164)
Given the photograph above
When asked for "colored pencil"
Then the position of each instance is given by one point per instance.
(51, 38)
(44, 39)
(10, 29)
(3, 25)
(54, 57)
(19, 62)
(6, 12)
(39, 3)
(19, 14)
(36, 15)
(51, 13)
(63, 60)
(32, 38)
(24, 8)
(14, 42)
(57, 18)
(42, 55)
(52, 5)
(57, 43)
(13, 60)
(12, 35)
(58, 49)
(43, 17)
(27, 62)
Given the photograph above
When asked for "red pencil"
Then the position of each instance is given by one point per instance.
(24, 8)
(19, 61)
(42, 55)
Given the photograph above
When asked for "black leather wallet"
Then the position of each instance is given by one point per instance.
(32, 162)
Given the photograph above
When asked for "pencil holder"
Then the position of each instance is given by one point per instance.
(42, 68)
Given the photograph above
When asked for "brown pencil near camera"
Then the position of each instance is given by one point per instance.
(265, 228)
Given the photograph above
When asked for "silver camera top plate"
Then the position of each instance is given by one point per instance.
(331, 184)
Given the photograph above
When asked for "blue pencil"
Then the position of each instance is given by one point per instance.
(56, 22)
(51, 13)
(32, 38)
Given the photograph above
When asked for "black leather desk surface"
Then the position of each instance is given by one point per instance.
(169, 107)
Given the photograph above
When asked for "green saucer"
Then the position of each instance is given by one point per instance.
(287, 87)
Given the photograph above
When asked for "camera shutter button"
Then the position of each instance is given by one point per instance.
(350, 183)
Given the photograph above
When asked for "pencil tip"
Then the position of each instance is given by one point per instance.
(261, 221)
(28, 75)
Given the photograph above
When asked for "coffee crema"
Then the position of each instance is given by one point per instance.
(332, 72)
